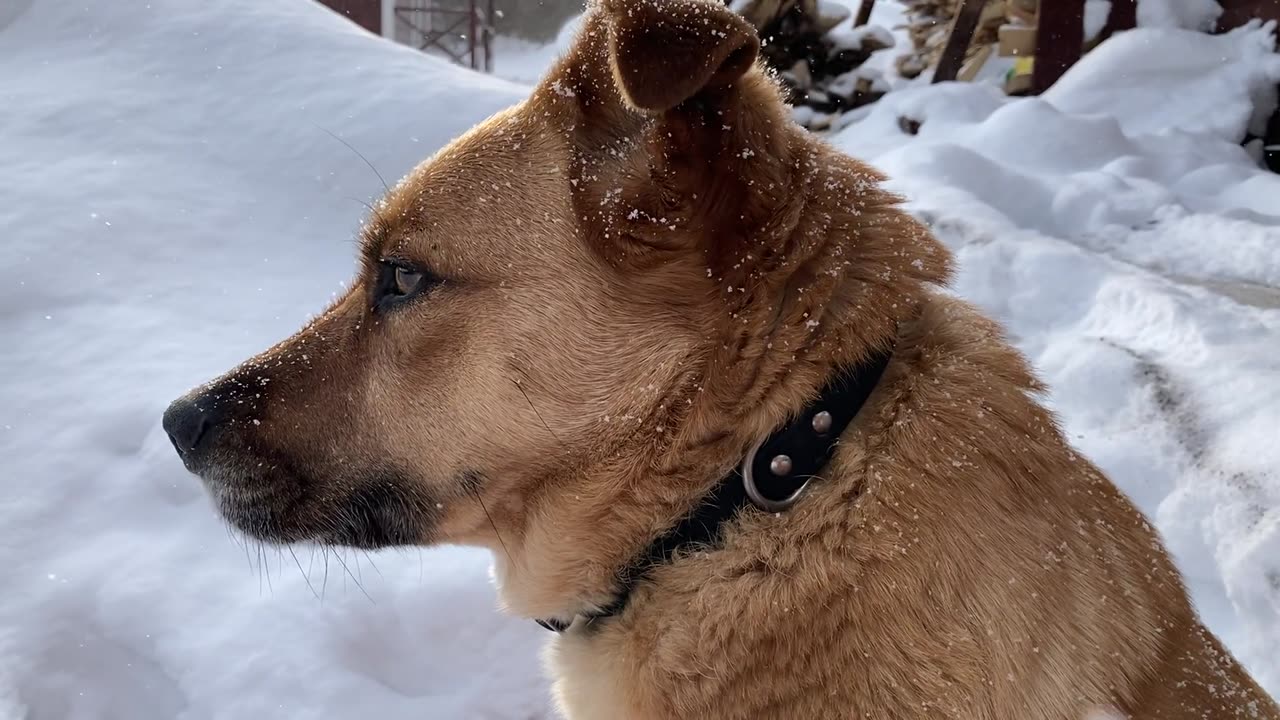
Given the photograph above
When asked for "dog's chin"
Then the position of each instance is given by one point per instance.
(373, 512)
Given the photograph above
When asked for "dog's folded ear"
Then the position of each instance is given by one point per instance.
(664, 52)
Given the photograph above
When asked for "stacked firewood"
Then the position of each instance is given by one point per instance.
(930, 24)
(817, 53)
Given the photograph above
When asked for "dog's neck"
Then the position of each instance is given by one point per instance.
(772, 477)
(857, 286)
(815, 265)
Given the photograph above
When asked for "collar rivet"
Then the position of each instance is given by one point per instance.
(780, 465)
(822, 423)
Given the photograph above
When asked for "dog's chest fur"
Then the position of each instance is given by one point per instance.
(591, 683)
(959, 560)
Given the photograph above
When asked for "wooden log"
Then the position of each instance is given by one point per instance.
(864, 13)
(1059, 41)
(962, 28)
(975, 63)
(1123, 16)
(1017, 41)
(1237, 12)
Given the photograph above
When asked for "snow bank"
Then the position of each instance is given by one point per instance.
(1132, 247)
(1152, 80)
(1187, 14)
(172, 201)
(525, 62)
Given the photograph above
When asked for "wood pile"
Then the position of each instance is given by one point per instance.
(817, 54)
(930, 24)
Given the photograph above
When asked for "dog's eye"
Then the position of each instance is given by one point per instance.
(398, 282)
(407, 281)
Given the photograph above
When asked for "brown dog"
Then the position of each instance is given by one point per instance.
(573, 323)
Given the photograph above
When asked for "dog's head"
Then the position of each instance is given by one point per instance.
(627, 262)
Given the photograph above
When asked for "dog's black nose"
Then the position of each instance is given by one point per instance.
(189, 426)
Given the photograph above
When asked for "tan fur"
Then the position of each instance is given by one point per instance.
(640, 283)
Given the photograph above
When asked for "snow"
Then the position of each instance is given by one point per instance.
(833, 12)
(1235, 69)
(1188, 14)
(1132, 248)
(180, 190)
(1096, 13)
(1162, 14)
(172, 201)
(522, 61)
(852, 38)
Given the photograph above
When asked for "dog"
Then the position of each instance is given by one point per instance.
(692, 376)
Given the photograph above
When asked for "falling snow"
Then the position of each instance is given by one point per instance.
(183, 205)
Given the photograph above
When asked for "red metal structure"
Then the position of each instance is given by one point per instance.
(365, 13)
(461, 30)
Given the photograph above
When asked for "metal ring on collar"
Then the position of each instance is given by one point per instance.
(753, 492)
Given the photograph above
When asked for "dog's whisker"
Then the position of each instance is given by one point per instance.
(366, 204)
(239, 541)
(359, 154)
(264, 563)
(493, 525)
(338, 555)
(257, 565)
(372, 564)
(535, 409)
(305, 577)
(324, 585)
(267, 559)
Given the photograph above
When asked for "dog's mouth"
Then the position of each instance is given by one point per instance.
(282, 497)
(274, 503)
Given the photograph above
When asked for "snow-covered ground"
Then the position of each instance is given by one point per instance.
(179, 189)
(1133, 250)
(172, 199)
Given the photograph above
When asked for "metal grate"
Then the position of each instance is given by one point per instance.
(461, 30)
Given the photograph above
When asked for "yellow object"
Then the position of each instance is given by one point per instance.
(1018, 79)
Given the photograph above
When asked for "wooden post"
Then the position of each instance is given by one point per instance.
(472, 41)
(864, 13)
(1123, 16)
(490, 19)
(1059, 41)
(962, 29)
(365, 13)
(1237, 12)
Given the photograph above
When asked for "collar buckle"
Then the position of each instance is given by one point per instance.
(779, 465)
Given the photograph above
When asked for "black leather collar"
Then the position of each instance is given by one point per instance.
(771, 477)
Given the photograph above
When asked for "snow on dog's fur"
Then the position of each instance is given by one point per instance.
(574, 320)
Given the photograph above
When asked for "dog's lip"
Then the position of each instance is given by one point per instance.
(192, 465)
(282, 511)
(260, 517)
